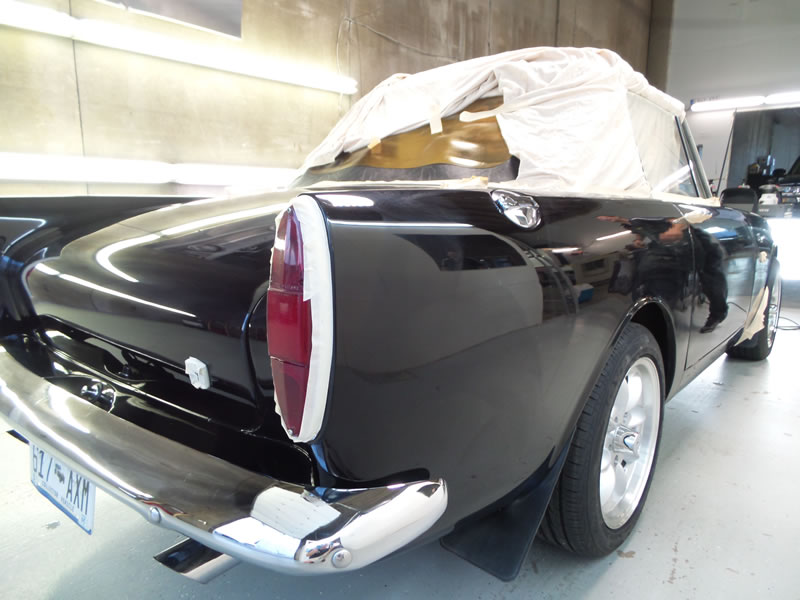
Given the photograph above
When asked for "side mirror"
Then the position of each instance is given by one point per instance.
(741, 198)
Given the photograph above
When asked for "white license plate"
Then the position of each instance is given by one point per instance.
(70, 491)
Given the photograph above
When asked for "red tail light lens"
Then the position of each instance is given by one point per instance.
(289, 323)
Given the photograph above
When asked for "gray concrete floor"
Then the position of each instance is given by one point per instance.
(721, 520)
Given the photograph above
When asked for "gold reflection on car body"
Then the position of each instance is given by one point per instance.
(477, 144)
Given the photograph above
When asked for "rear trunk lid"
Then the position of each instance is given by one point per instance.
(178, 282)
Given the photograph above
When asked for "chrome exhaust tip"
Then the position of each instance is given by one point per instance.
(195, 561)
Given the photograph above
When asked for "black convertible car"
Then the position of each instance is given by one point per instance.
(460, 323)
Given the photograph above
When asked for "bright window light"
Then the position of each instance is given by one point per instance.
(85, 169)
(45, 20)
(728, 103)
(786, 233)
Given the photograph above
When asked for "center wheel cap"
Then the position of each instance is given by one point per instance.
(626, 441)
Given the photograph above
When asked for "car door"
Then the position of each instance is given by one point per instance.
(724, 268)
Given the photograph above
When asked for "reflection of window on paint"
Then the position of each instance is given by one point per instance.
(467, 252)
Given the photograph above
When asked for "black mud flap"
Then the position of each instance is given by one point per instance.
(499, 542)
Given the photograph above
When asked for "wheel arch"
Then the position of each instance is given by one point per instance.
(652, 314)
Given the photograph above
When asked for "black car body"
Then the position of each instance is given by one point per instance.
(468, 325)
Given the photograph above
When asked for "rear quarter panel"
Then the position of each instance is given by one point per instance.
(465, 345)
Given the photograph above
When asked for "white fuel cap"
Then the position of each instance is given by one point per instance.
(197, 371)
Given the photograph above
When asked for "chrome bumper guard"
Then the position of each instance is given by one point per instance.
(251, 517)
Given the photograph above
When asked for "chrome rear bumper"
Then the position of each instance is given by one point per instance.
(251, 517)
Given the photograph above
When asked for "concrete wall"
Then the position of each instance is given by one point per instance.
(729, 48)
(61, 97)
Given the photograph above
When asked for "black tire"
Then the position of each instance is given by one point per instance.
(761, 345)
(575, 519)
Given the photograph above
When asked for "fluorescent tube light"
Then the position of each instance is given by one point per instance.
(241, 176)
(46, 167)
(45, 20)
(728, 103)
(85, 169)
(784, 98)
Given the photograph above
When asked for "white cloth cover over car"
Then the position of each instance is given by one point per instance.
(573, 116)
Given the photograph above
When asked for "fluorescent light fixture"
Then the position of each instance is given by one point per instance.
(205, 174)
(728, 103)
(101, 33)
(784, 98)
(85, 169)
(47, 167)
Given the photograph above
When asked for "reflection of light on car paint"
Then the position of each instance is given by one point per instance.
(208, 222)
(672, 179)
(345, 200)
(110, 292)
(39, 223)
(715, 230)
(47, 270)
(379, 224)
(786, 234)
(103, 255)
(464, 145)
(613, 235)
(564, 250)
(465, 162)
(60, 368)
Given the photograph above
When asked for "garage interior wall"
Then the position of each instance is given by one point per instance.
(71, 98)
(726, 49)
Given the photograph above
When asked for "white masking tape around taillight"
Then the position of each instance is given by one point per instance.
(300, 318)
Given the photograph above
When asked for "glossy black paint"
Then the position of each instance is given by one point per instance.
(471, 360)
(464, 345)
(177, 282)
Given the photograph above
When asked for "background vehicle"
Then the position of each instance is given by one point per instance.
(789, 184)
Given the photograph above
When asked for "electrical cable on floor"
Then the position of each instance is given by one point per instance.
(794, 327)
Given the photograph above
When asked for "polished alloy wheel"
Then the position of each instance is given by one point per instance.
(773, 311)
(630, 443)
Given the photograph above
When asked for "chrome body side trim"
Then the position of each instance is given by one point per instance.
(251, 517)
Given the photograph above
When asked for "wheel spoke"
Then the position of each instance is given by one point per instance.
(621, 480)
(607, 482)
(607, 459)
(635, 388)
(636, 417)
(623, 396)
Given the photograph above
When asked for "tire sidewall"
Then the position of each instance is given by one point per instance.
(635, 342)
